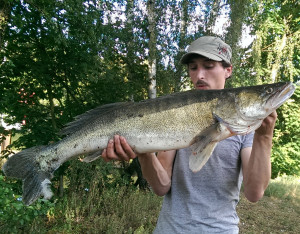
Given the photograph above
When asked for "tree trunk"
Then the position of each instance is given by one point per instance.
(237, 16)
(152, 49)
(6, 140)
(50, 98)
(213, 15)
(61, 185)
(4, 16)
(130, 57)
(181, 44)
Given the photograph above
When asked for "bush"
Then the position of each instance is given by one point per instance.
(16, 217)
(286, 141)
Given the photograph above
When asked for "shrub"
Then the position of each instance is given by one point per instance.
(286, 141)
(16, 217)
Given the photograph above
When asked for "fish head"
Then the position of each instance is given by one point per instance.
(242, 110)
(257, 102)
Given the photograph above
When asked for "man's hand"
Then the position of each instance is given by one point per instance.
(118, 149)
(268, 125)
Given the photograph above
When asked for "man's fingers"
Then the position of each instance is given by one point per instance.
(119, 148)
(109, 153)
(274, 115)
(104, 156)
(126, 147)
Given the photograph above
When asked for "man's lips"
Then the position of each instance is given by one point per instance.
(201, 84)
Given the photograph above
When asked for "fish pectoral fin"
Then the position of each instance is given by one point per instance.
(204, 144)
(240, 128)
(92, 157)
(200, 156)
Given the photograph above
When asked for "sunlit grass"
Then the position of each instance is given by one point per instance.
(284, 187)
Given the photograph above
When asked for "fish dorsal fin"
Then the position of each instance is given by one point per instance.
(81, 120)
(203, 145)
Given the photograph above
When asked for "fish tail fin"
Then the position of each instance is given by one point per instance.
(24, 165)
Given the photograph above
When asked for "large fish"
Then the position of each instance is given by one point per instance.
(198, 119)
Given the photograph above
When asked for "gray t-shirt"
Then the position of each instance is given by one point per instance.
(205, 202)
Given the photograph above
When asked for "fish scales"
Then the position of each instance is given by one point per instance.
(198, 119)
(167, 133)
(157, 125)
(153, 118)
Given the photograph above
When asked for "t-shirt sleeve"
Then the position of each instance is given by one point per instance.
(248, 140)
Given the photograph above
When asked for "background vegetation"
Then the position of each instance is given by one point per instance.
(60, 58)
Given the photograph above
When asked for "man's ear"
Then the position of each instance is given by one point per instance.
(228, 72)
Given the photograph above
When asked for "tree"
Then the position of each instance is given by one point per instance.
(276, 47)
(275, 55)
(286, 143)
(5, 7)
(61, 59)
(237, 16)
(181, 45)
(152, 48)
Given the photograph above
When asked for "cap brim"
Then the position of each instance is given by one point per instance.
(185, 58)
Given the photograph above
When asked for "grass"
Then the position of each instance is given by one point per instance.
(277, 212)
(128, 210)
(119, 210)
(269, 215)
(285, 187)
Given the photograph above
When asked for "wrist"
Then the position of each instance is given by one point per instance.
(262, 142)
(264, 136)
(145, 157)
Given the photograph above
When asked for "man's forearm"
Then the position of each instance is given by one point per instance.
(155, 173)
(258, 173)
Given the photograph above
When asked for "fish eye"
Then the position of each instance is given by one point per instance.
(269, 90)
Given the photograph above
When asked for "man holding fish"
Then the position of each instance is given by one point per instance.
(205, 201)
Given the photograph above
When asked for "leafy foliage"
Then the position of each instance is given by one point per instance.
(15, 217)
(286, 149)
(276, 48)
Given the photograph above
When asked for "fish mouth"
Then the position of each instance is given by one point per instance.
(281, 95)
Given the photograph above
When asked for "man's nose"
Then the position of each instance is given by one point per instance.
(200, 73)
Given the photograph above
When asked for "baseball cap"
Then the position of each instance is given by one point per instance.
(211, 47)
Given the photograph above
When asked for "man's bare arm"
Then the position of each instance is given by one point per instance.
(256, 161)
(157, 170)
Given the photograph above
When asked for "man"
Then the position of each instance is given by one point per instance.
(205, 202)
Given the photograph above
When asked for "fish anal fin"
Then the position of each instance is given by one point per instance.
(92, 157)
(203, 145)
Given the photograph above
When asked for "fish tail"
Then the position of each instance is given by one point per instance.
(24, 165)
